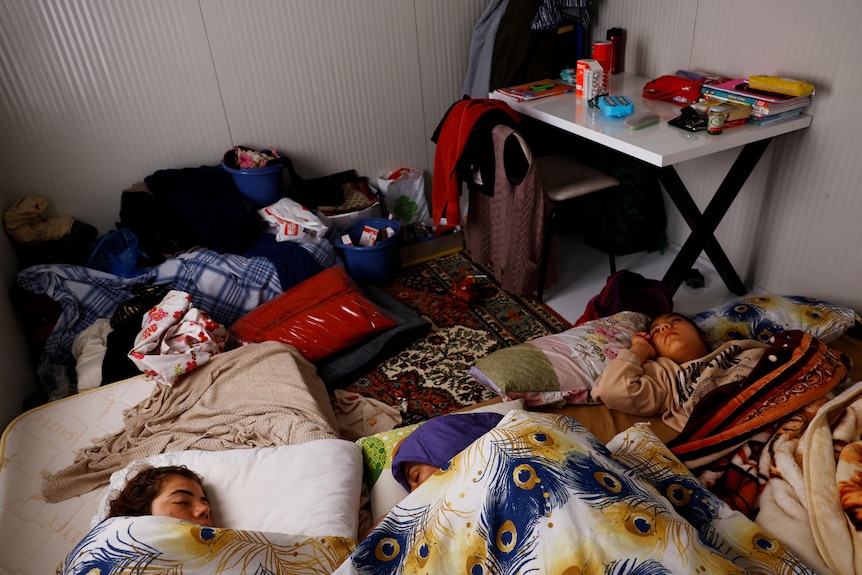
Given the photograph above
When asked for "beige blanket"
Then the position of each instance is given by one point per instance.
(813, 499)
(260, 395)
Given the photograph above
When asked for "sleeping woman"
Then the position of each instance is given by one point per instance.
(171, 491)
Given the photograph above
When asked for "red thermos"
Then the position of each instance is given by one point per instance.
(615, 35)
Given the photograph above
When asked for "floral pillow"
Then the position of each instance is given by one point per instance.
(559, 368)
(762, 316)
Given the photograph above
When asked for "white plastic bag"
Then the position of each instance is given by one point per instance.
(293, 222)
(404, 195)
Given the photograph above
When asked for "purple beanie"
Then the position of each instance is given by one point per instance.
(440, 439)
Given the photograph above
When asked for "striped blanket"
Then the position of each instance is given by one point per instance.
(725, 436)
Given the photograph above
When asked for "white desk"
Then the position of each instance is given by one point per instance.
(663, 146)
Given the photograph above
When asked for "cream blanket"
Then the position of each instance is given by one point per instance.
(813, 499)
(259, 395)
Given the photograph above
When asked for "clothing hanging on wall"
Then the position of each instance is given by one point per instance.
(477, 81)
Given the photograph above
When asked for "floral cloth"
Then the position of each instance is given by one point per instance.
(247, 158)
(175, 338)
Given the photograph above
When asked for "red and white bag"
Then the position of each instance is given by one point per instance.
(293, 222)
(676, 89)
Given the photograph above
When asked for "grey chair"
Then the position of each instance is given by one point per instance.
(563, 179)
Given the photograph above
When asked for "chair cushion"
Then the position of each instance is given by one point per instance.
(564, 178)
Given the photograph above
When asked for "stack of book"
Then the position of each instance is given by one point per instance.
(766, 107)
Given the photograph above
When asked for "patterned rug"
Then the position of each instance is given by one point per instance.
(431, 377)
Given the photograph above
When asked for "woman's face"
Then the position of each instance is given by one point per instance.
(674, 337)
(182, 498)
(417, 473)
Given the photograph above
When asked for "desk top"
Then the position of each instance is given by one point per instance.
(660, 144)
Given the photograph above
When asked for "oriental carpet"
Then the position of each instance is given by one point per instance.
(431, 376)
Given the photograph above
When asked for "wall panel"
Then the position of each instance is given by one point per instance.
(792, 226)
(444, 62)
(99, 94)
(336, 84)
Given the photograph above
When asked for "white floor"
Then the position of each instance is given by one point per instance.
(584, 270)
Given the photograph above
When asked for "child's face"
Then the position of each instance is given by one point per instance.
(417, 473)
(674, 337)
(182, 498)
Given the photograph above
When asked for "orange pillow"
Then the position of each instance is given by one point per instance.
(320, 316)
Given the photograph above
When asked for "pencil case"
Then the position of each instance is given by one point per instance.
(787, 86)
(616, 106)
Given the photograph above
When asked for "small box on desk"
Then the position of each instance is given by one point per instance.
(429, 249)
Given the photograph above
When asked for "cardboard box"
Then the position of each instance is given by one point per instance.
(429, 249)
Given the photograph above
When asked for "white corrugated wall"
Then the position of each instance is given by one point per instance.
(795, 226)
(98, 94)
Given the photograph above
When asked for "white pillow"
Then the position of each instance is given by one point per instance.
(308, 489)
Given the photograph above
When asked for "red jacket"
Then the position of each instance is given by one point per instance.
(455, 132)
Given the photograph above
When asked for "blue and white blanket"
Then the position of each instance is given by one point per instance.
(226, 286)
(166, 545)
(540, 494)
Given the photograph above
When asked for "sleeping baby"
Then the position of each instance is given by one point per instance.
(669, 368)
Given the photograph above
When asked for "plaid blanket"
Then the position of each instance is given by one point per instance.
(226, 286)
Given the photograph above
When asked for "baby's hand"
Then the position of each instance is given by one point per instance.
(642, 347)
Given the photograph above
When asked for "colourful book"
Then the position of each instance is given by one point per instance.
(758, 103)
(740, 91)
(764, 110)
(765, 120)
(535, 90)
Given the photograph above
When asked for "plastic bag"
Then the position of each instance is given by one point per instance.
(404, 195)
(116, 253)
(293, 222)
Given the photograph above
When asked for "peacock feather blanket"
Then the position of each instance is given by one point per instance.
(127, 545)
(540, 494)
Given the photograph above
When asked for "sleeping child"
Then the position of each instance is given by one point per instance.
(668, 369)
(431, 445)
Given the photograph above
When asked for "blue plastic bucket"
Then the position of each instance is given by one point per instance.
(377, 264)
(262, 186)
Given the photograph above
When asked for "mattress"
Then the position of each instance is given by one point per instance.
(35, 535)
(269, 489)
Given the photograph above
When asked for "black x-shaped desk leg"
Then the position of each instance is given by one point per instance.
(703, 226)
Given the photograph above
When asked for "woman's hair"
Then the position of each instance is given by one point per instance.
(137, 496)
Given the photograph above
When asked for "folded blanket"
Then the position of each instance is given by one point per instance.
(811, 500)
(258, 395)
